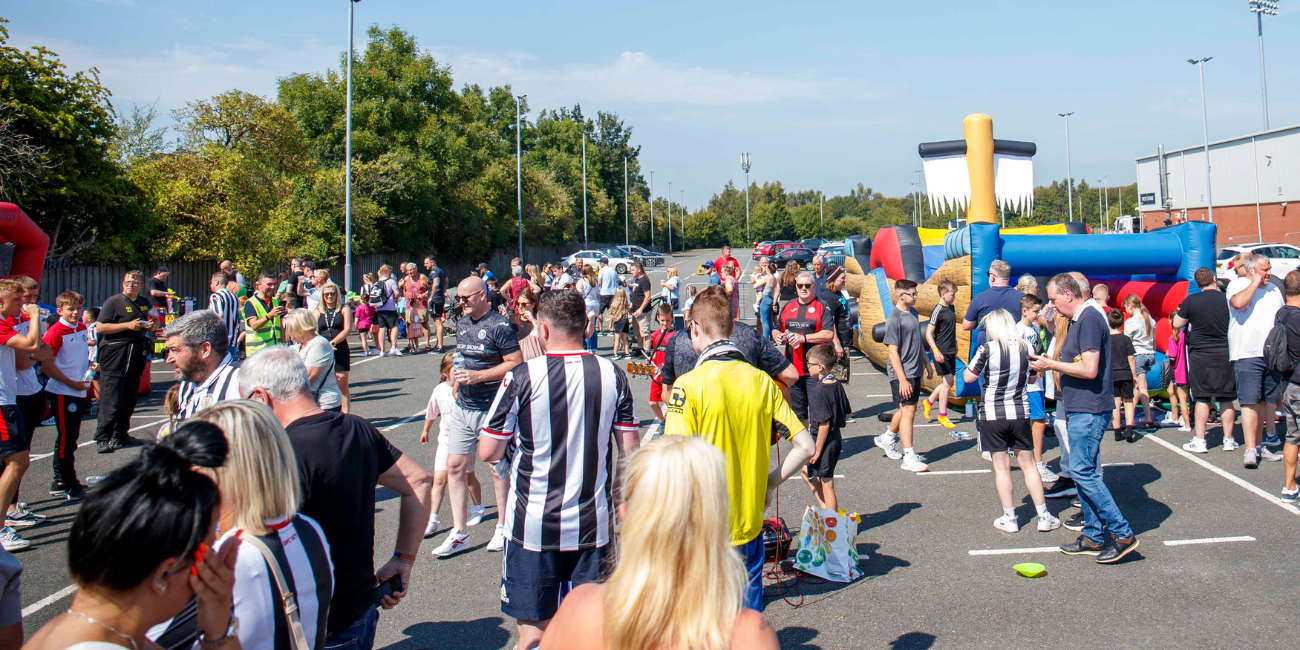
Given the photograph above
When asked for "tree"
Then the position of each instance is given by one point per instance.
(136, 138)
(79, 195)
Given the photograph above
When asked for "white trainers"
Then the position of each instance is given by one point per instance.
(1249, 459)
(395, 353)
(1007, 524)
(475, 515)
(432, 528)
(1048, 475)
(1230, 443)
(12, 541)
(21, 517)
(1168, 422)
(912, 463)
(889, 443)
(455, 543)
(498, 542)
(1047, 523)
(1266, 454)
(1196, 446)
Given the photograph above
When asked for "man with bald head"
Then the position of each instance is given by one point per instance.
(236, 283)
(488, 348)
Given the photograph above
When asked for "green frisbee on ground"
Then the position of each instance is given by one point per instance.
(1031, 569)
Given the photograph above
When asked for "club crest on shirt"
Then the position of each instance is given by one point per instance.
(811, 310)
(482, 334)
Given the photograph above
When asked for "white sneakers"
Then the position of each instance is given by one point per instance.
(475, 515)
(1048, 475)
(432, 527)
(22, 517)
(1196, 446)
(395, 353)
(889, 443)
(455, 543)
(912, 463)
(12, 541)
(1007, 524)
(1048, 523)
(1266, 454)
(1230, 443)
(498, 542)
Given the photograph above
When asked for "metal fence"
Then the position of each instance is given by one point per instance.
(189, 279)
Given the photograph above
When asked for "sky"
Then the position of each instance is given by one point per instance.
(824, 95)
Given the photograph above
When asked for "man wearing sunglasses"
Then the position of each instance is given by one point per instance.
(805, 322)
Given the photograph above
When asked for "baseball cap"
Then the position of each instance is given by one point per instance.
(708, 265)
(482, 265)
(604, 260)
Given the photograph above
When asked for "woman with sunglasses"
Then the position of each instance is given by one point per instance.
(764, 282)
(530, 344)
(334, 322)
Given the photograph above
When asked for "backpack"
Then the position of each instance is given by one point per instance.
(377, 295)
(1277, 358)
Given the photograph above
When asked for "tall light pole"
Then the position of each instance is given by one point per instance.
(914, 200)
(519, 173)
(585, 239)
(920, 216)
(744, 164)
(626, 236)
(681, 215)
(347, 172)
(1260, 8)
(1069, 177)
(670, 217)
(821, 209)
(1101, 221)
(1105, 179)
(652, 211)
(1205, 132)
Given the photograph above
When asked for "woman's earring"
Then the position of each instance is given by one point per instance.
(162, 586)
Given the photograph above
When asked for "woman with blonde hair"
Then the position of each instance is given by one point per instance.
(334, 322)
(678, 583)
(589, 289)
(618, 311)
(672, 285)
(318, 355)
(1141, 329)
(1027, 284)
(535, 280)
(260, 496)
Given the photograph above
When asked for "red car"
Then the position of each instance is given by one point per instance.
(772, 248)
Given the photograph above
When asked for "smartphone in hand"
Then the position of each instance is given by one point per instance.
(387, 588)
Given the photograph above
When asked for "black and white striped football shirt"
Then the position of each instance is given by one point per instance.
(221, 385)
(226, 305)
(559, 411)
(1006, 380)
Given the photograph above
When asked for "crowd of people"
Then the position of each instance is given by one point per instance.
(251, 520)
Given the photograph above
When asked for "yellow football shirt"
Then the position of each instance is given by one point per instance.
(732, 405)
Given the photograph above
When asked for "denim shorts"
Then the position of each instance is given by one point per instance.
(1145, 362)
(1255, 385)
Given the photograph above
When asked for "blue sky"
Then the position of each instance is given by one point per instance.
(823, 94)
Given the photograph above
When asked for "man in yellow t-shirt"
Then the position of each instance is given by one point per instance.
(733, 405)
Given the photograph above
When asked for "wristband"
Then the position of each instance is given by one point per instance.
(398, 555)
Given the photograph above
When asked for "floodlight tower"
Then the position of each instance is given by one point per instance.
(744, 164)
(1262, 8)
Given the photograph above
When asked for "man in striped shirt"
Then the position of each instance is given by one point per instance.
(226, 305)
(197, 348)
(557, 415)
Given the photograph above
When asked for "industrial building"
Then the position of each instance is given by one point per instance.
(1254, 182)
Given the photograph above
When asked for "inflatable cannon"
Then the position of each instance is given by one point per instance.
(1157, 266)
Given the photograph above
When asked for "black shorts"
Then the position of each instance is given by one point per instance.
(386, 319)
(799, 397)
(1000, 435)
(1210, 376)
(343, 357)
(437, 308)
(825, 465)
(604, 302)
(946, 367)
(1124, 388)
(620, 326)
(13, 437)
(533, 582)
(916, 391)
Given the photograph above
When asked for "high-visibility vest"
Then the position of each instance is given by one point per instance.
(269, 334)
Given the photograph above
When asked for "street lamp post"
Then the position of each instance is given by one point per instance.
(347, 172)
(519, 173)
(1260, 8)
(670, 217)
(681, 216)
(626, 237)
(744, 164)
(652, 211)
(585, 239)
(1069, 177)
(1101, 221)
(920, 215)
(1205, 132)
(1105, 180)
(821, 209)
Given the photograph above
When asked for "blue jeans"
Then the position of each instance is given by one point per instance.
(765, 317)
(752, 555)
(1100, 514)
(359, 636)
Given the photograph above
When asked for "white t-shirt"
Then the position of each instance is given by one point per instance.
(1136, 329)
(670, 292)
(391, 305)
(589, 295)
(28, 383)
(318, 353)
(440, 403)
(312, 298)
(1030, 335)
(608, 280)
(1248, 328)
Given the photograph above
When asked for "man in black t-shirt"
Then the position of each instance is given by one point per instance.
(1209, 369)
(1289, 317)
(758, 350)
(640, 297)
(941, 338)
(340, 459)
(155, 288)
(437, 297)
(123, 326)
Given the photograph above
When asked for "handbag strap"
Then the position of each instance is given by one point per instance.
(289, 602)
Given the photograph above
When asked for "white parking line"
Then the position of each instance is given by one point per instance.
(158, 420)
(1209, 540)
(955, 471)
(48, 600)
(1016, 551)
(1235, 479)
(405, 420)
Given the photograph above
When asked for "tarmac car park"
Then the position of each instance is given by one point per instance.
(591, 258)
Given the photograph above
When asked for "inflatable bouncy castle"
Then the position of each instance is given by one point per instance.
(29, 242)
(1157, 266)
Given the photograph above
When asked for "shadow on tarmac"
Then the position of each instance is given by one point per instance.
(481, 634)
(913, 641)
(797, 638)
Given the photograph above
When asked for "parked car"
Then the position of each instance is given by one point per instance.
(621, 263)
(1284, 258)
(758, 247)
(799, 254)
(648, 257)
(834, 258)
(812, 243)
(831, 248)
(774, 247)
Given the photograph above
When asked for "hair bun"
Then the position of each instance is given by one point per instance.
(197, 443)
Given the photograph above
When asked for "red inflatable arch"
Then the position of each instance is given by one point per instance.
(30, 243)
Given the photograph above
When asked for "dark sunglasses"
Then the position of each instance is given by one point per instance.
(466, 298)
(803, 286)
